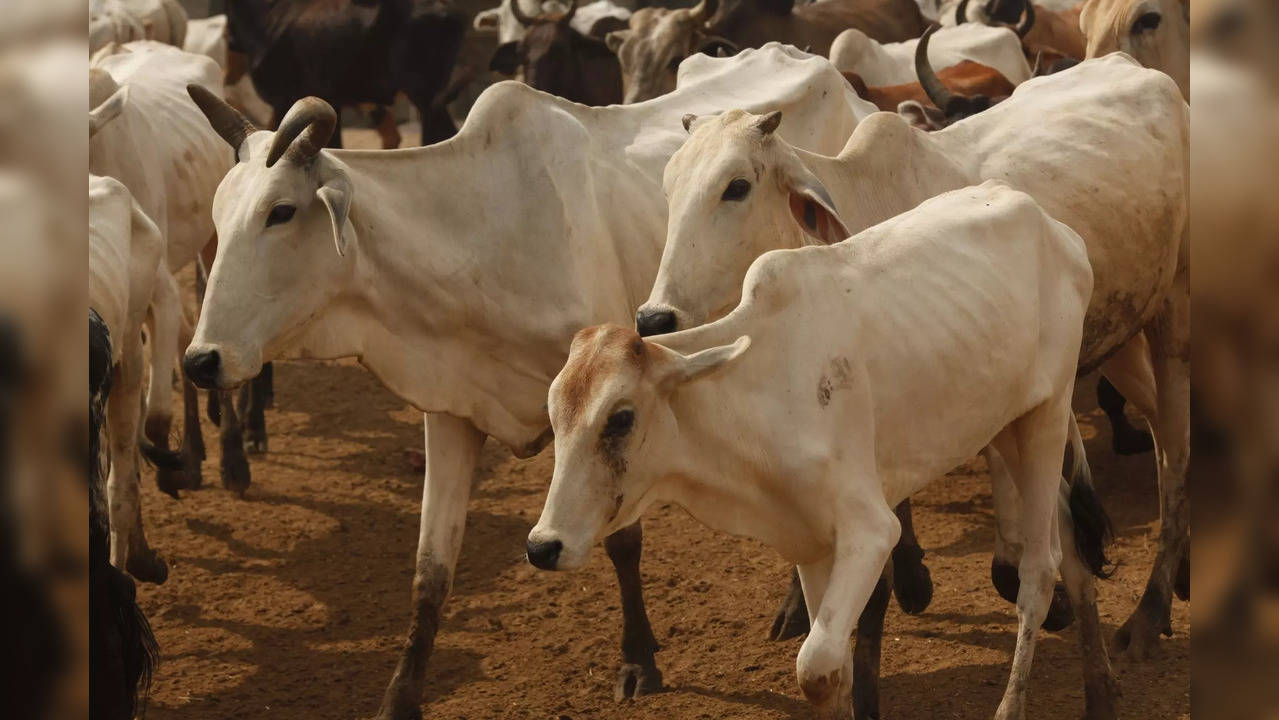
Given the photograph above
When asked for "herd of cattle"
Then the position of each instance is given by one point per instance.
(850, 302)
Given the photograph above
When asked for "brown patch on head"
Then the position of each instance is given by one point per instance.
(595, 353)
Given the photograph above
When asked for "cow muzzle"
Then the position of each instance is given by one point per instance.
(544, 554)
(203, 367)
(655, 321)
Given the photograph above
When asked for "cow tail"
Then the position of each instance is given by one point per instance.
(1093, 531)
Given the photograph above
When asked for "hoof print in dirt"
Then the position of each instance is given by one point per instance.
(636, 680)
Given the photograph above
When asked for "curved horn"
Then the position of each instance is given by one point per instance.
(304, 131)
(226, 120)
(1028, 22)
(567, 17)
(518, 12)
(961, 12)
(704, 10)
(936, 92)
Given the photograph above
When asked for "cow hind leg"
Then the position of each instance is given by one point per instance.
(452, 451)
(235, 466)
(255, 397)
(1125, 438)
(867, 646)
(1169, 337)
(129, 549)
(792, 618)
(1101, 690)
(639, 674)
(166, 321)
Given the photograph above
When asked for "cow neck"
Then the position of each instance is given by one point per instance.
(428, 330)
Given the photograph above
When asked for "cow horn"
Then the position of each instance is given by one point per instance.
(961, 12)
(226, 120)
(304, 131)
(1028, 22)
(518, 12)
(568, 16)
(704, 10)
(927, 78)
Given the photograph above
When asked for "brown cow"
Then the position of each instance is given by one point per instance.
(1052, 33)
(971, 90)
(966, 78)
(651, 48)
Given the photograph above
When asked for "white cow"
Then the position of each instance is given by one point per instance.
(1102, 147)
(126, 273)
(1155, 32)
(889, 359)
(502, 20)
(894, 63)
(162, 149)
(459, 272)
(124, 21)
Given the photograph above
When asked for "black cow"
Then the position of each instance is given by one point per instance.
(558, 59)
(350, 52)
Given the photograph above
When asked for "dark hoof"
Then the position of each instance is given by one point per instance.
(147, 566)
(1131, 441)
(254, 445)
(792, 618)
(636, 680)
(912, 583)
(1060, 614)
(1181, 583)
(1139, 636)
(235, 474)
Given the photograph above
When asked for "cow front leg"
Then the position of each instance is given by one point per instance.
(639, 674)
(129, 549)
(1169, 336)
(235, 466)
(166, 321)
(840, 588)
(452, 451)
(792, 618)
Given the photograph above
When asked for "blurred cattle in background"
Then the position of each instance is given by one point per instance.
(559, 59)
(894, 63)
(1053, 34)
(1155, 32)
(596, 19)
(350, 53)
(966, 89)
(208, 36)
(128, 20)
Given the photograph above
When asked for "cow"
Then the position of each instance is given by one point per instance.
(350, 52)
(558, 59)
(124, 21)
(1155, 32)
(993, 292)
(208, 36)
(1043, 31)
(595, 19)
(1101, 146)
(966, 91)
(881, 64)
(540, 217)
(657, 39)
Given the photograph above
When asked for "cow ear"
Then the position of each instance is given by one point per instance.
(336, 196)
(682, 369)
(487, 21)
(506, 58)
(812, 207)
(921, 116)
(108, 110)
(615, 39)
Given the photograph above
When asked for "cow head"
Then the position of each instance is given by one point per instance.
(556, 58)
(951, 107)
(657, 41)
(735, 190)
(284, 239)
(610, 411)
(1156, 33)
(1017, 15)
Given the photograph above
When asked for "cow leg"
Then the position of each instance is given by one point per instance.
(1125, 439)
(452, 451)
(1039, 437)
(639, 674)
(254, 399)
(1169, 337)
(1101, 690)
(912, 582)
(866, 648)
(384, 117)
(166, 320)
(792, 618)
(235, 466)
(1004, 573)
(193, 452)
(129, 550)
(840, 588)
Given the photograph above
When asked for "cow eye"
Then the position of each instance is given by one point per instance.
(280, 214)
(737, 190)
(1148, 21)
(619, 423)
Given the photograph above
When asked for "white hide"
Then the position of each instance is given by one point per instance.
(882, 64)
(502, 21)
(124, 21)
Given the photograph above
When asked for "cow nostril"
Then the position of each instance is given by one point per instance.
(654, 322)
(203, 368)
(544, 555)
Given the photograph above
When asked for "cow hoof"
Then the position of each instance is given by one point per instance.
(254, 445)
(792, 619)
(147, 566)
(1060, 613)
(235, 474)
(636, 680)
(193, 474)
(912, 583)
(1181, 582)
(1003, 575)
(1131, 441)
(1137, 639)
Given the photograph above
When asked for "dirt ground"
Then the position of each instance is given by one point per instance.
(291, 603)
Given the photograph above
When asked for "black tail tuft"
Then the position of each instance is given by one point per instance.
(138, 648)
(1093, 532)
(166, 459)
